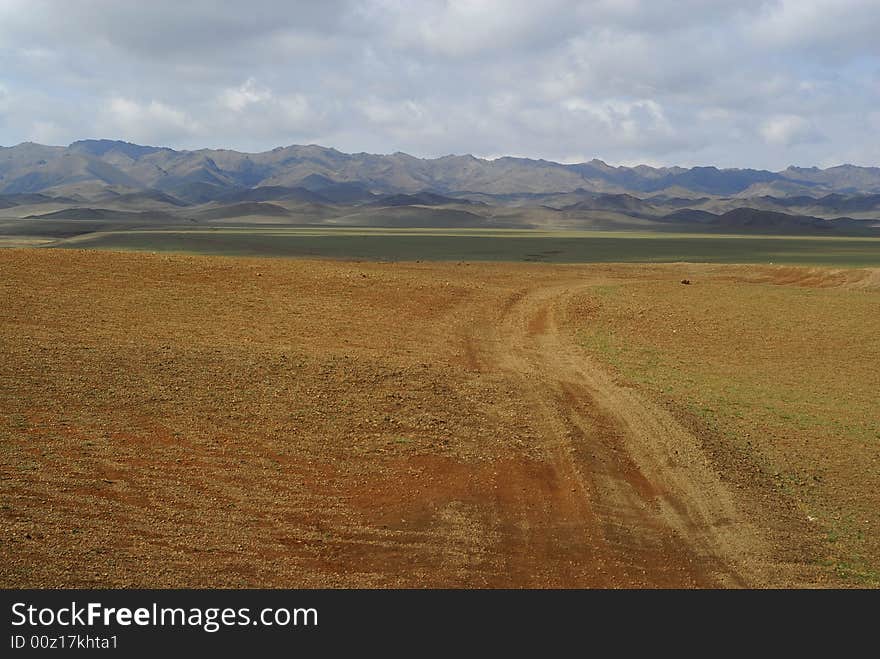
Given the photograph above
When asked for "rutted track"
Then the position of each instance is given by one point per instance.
(641, 504)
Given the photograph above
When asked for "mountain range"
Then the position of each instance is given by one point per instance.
(105, 184)
(89, 166)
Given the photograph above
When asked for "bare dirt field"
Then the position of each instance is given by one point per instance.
(193, 421)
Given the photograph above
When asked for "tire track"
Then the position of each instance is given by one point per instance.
(647, 507)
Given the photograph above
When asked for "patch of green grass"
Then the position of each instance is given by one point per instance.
(496, 245)
(847, 564)
(858, 572)
(781, 376)
(605, 290)
(602, 343)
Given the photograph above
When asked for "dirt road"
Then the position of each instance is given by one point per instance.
(633, 499)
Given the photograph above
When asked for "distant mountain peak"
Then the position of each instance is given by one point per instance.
(209, 173)
(101, 147)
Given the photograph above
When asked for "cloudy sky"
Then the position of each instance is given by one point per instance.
(743, 83)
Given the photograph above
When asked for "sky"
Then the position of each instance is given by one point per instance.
(744, 83)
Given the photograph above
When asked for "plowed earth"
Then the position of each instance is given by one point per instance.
(180, 421)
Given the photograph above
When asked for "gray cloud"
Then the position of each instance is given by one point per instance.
(747, 83)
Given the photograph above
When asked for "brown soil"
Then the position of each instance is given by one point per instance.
(177, 421)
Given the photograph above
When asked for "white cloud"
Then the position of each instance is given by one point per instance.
(733, 83)
(381, 112)
(787, 130)
(238, 98)
(631, 119)
(297, 110)
(44, 132)
(835, 27)
(147, 121)
(462, 28)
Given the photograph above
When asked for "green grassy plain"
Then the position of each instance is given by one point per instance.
(784, 366)
(494, 245)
